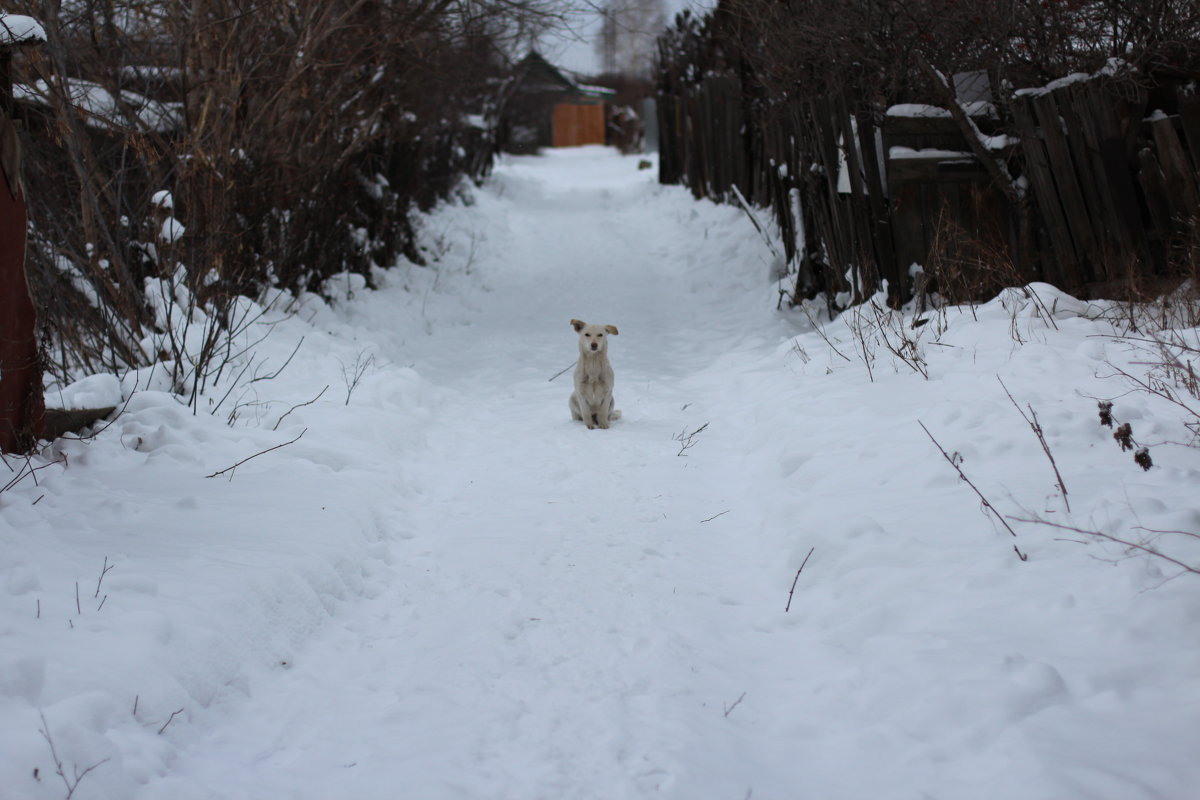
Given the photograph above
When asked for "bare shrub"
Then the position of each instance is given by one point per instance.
(294, 140)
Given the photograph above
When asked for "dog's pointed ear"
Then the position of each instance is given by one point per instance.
(578, 325)
(611, 329)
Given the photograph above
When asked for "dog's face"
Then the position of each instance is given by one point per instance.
(593, 338)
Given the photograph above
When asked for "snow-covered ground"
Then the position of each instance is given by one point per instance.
(447, 589)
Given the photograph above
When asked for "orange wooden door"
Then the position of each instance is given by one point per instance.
(576, 125)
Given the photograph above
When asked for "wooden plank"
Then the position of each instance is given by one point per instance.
(1182, 196)
(881, 233)
(863, 263)
(910, 233)
(1118, 184)
(820, 117)
(1124, 193)
(1066, 183)
(1037, 165)
(1154, 189)
(1189, 117)
(1082, 158)
(935, 170)
(1116, 234)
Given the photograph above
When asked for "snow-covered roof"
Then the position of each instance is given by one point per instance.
(102, 110)
(600, 91)
(18, 29)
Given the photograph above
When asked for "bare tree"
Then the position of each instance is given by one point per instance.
(628, 33)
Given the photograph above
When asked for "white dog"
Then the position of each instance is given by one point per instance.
(592, 400)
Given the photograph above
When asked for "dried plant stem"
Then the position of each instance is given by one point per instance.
(736, 703)
(71, 783)
(792, 591)
(982, 499)
(300, 405)
(256, 455)
(1150, 551)
(104, 570)
(1032, 420)
(170, 719)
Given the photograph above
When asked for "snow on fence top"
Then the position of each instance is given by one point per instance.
(916, 110)
(1111, 68)
(929, 153)
(975, 108)
(17, 29)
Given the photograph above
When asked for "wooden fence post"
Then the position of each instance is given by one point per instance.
(22, 410)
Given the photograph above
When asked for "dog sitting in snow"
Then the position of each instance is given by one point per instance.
(592, 400)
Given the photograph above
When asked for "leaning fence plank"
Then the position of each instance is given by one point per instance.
(1038, 164)
(1120, 233)
(1182, 196)
(881, 227)
(1154, 189)
(1189, 117)
(1066, 184)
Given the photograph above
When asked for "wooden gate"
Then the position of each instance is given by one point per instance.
(576, 125)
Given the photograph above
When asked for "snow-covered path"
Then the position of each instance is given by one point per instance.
(555, 596)
(448, 590)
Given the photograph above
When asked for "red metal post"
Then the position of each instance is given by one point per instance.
(22, 410)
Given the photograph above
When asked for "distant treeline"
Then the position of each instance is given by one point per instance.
(946, 145)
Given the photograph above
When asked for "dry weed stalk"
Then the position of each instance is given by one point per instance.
(982, 499)
(1031, 419)
(71, 782)
(1148, 547)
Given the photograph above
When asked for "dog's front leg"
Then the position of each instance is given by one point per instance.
(602, 413)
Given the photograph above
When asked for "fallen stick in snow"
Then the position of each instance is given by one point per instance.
(170, 719)
(301, 405)
(687, 440)
(256, 455)
(792, 591)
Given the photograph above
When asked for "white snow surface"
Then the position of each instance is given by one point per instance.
(19, 29)
(448, 589)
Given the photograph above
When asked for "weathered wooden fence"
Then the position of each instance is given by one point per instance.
(1102, 192)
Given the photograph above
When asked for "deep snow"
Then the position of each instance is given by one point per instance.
(447, 589)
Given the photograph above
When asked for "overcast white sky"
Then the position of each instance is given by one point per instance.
(575, 49)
